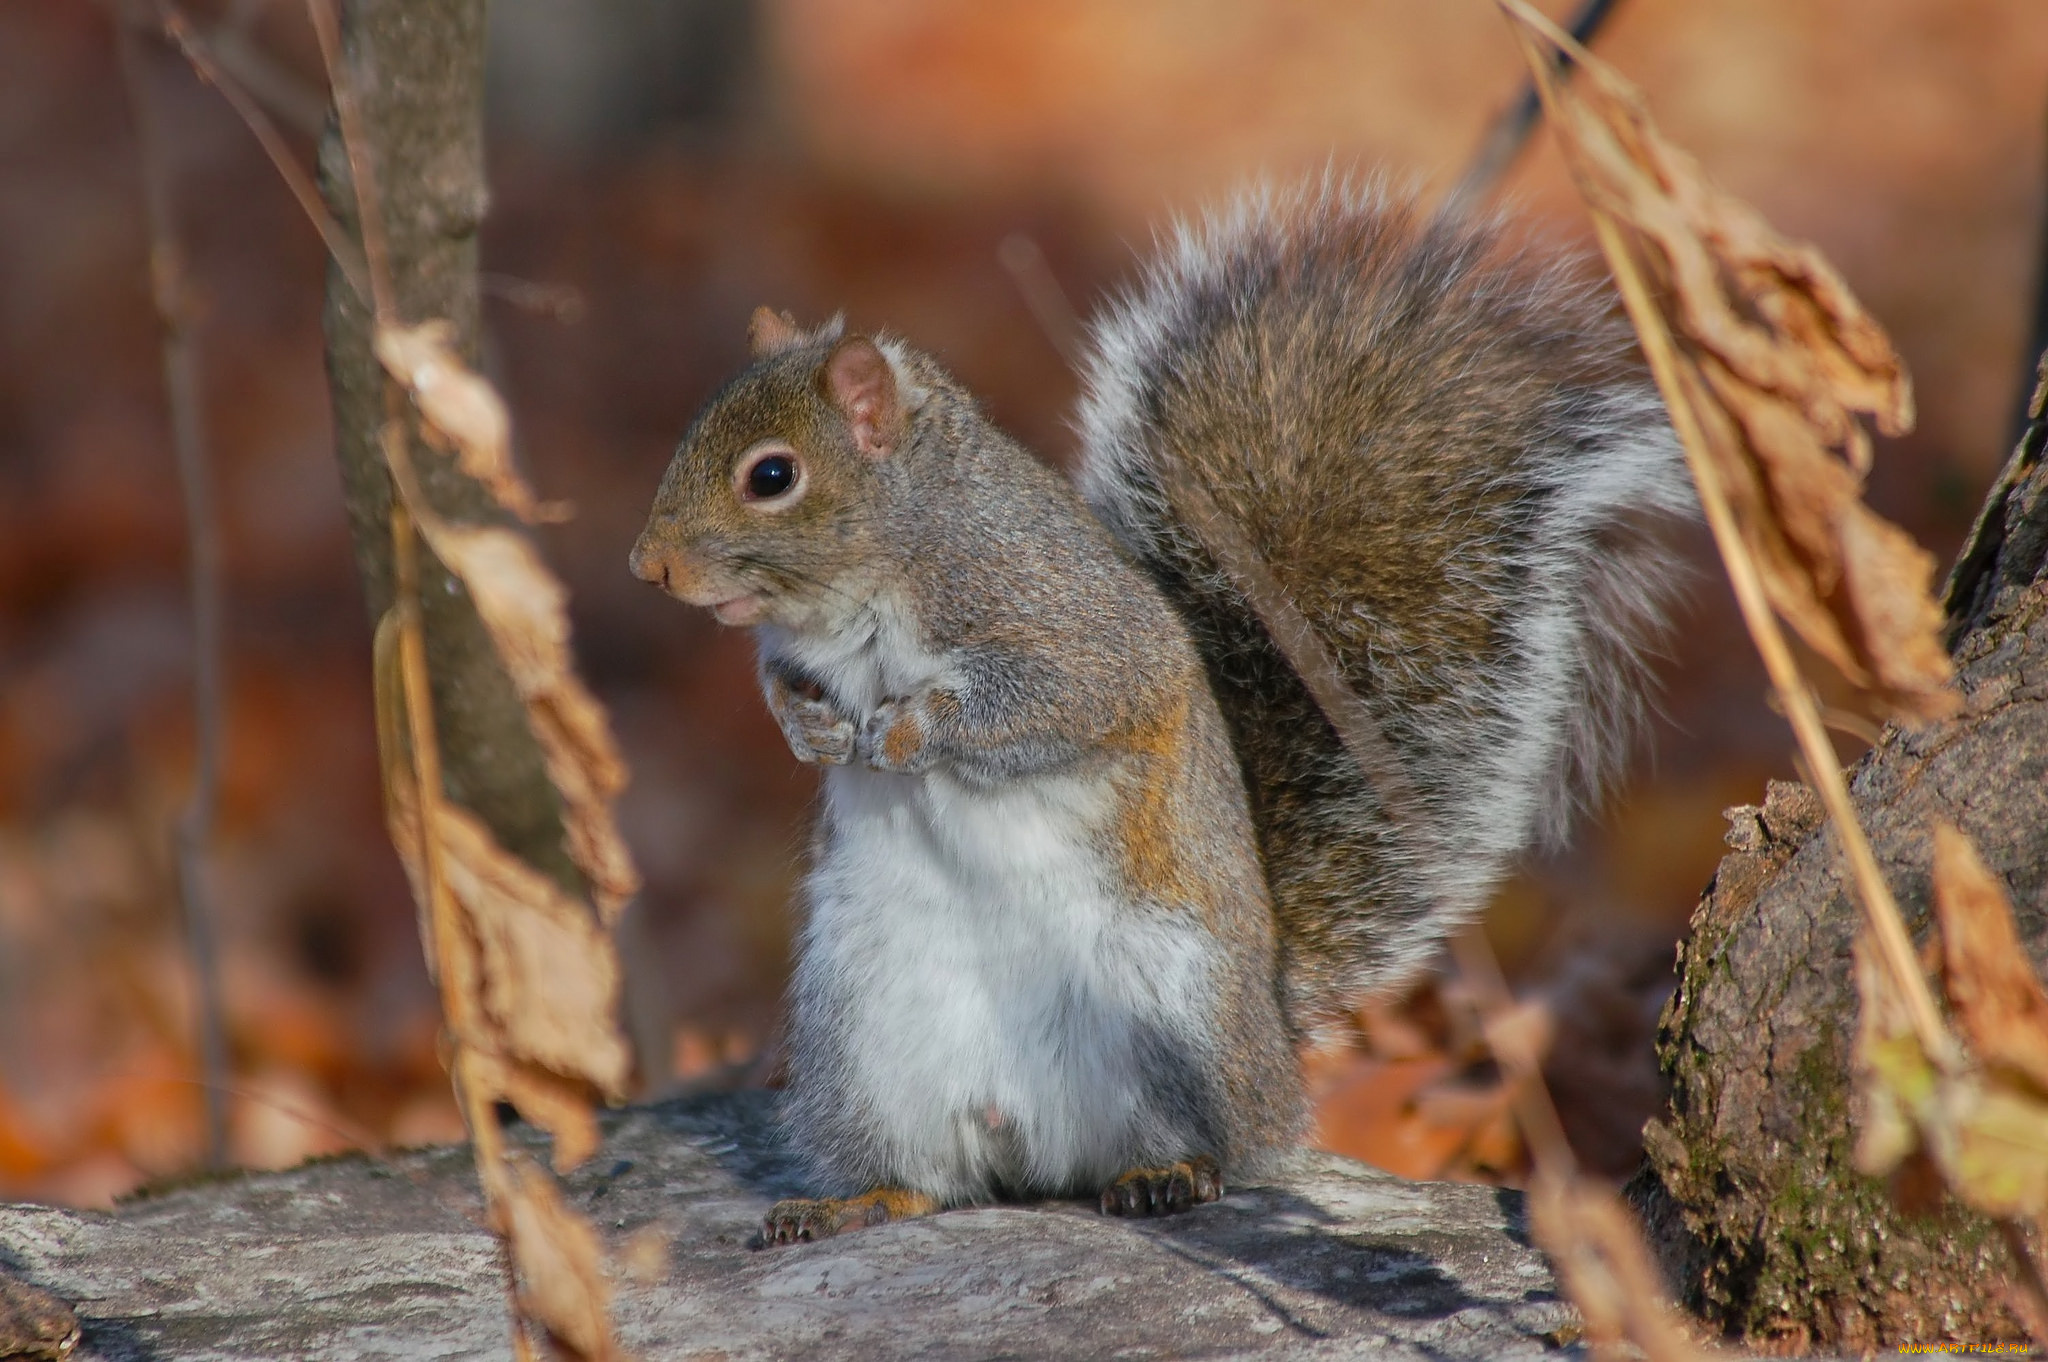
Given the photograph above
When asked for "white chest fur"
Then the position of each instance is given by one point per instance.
(997, 1004)
(994, 1003)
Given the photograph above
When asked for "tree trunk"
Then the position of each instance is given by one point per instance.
(1749, 1189)
(417, 67)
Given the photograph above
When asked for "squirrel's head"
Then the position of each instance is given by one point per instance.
(766, 512)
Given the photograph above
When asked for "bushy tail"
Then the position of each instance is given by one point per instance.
(1447, 452)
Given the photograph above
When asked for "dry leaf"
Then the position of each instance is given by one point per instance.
(1605, 1268)
(550, 980)
(1997, 1001)
(547, 983)
(1521, 1034)
(463, 410)
(558, 1105)
(1984, 1125)
(560, 1265)
(1894, 1079)
(526, 611)
(1778, 359)
(521, 603)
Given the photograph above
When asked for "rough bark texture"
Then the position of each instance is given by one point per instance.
(352, 1259)
(418, 69)
(1749, 1187)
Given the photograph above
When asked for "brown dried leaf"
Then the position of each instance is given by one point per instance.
(546, 989)
(560, 1266)
(561, 1106)
(1996, 999)
(549, 985)
(1605, 1268)
(1984, 1127)
(1779, 357)
(463, 410)
(1521, 1035)
(526, 611)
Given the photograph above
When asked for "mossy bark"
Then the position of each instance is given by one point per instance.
(1749, 1189)
(417, 67)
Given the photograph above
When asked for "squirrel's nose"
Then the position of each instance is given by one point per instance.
(649, 563)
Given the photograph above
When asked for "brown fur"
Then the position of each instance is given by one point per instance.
(1399, 412)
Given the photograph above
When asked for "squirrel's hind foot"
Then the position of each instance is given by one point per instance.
(804, 1219)
(1165, 1191)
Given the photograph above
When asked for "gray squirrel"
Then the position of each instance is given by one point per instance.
(1091, 864)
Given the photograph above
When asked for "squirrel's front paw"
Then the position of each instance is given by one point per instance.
(816, 729)
(897, 736)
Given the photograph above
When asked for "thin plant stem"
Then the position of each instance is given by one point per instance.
(181, 31)
(194, 831)
(1512, 127)
(355, 141)
(1024, 262)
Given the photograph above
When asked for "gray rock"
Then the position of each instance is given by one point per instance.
(358, 1259)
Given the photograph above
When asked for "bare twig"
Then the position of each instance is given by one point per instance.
(181, 31)
(188, 440)
(297, 103)
(1022, 259)
(1511, 129)
(369, 211)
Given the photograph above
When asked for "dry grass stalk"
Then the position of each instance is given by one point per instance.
(529, 976)
(1598, 1251)
(1511, 129)
(1763, 357)
(1594, 1244)
(196, 50)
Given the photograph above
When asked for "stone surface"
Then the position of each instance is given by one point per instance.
(358, 1259)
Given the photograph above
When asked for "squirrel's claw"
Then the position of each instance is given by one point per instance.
(804, 1219)
(814, 727)
(1165, 1191)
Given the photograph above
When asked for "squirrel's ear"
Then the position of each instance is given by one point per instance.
(770, 333)
(858, 380)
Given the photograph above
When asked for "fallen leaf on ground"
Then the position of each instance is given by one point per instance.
(559, 1264)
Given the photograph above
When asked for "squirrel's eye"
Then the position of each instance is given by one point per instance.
(769, 477)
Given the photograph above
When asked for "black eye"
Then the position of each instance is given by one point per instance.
(771, 477)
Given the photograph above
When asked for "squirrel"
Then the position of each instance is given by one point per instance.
(1091, 864)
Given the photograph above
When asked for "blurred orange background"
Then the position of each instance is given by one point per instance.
(659, 169)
